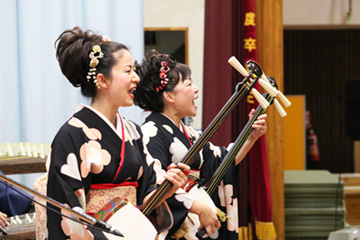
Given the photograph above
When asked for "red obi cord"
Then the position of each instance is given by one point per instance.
(112, 185)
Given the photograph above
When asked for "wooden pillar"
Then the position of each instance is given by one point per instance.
(270, 55)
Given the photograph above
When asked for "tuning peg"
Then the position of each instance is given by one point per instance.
(41, 151)
(21, 150)
(261, 100)
(270, 89)
(267, 86)
(28, 219)
(34, 150)
(279, 108)
(284, 100)
(8, 150)
(282, 97)
(28, 149)
(263, 81)
(237, 65)
(15, 220)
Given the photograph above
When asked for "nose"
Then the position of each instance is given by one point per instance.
(135, 78)
(196, 89)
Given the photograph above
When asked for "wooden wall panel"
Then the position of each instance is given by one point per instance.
(319, 63)
(295, 134)
(270, 54)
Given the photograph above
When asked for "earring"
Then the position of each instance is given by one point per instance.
(96, 83)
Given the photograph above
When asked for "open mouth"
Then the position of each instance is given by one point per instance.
(131, 92)
(193, 102)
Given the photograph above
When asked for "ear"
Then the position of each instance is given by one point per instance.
(102, 81)
(168, 97)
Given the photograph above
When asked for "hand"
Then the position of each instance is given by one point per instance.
(259, 126)
(177, 175)
(3, 220)
(207, 217)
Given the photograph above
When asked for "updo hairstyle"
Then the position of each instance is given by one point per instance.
(72, 51)
(146, 95)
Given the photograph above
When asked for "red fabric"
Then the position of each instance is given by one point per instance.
(218, 86)
(112, 185)
(225, 32)
(260, 193)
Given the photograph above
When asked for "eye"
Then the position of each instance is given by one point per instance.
(188, 82)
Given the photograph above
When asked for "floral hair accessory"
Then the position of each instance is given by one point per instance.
(106, 39)
(94, 55)
(163, 77)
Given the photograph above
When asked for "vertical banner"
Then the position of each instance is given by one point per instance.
(259, 181)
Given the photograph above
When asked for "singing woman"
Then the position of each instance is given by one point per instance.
(168, 94)
(97, 146)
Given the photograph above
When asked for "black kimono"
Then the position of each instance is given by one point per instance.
(168, 144)
(87, 150)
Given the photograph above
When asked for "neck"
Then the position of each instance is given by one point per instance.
(173, 117)
(106, 109)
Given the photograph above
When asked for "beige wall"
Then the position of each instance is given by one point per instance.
(320, 12)
(185, 13)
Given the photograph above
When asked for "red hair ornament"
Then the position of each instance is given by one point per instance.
(163, 77)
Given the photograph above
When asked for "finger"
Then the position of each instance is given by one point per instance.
(169, 178)
(185, 169)
(258, 127)
(171, 166)
(218, 224)
(262, 116)
(176, 172)
(260, 122)
(4, 224)
(177, 169)
(252, 111)
(175, 179)
(210, 229)
(184, 166)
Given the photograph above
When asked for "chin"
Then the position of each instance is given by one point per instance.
(128, 104)
(193, 114)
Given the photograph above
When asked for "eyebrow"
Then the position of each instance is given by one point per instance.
(129, 66)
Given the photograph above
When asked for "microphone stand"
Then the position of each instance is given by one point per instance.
(77, 211)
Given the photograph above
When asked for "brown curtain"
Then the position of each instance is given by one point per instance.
(221, 34)
(223, 39)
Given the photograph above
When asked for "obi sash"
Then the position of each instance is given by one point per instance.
(100, 194)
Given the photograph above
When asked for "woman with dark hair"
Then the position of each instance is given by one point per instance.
(97, 148)
(167, 93)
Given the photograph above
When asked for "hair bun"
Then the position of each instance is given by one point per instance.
(72, 51)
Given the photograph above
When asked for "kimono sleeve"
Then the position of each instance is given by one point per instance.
(65, 185)
(147, 182)
(158, 149)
